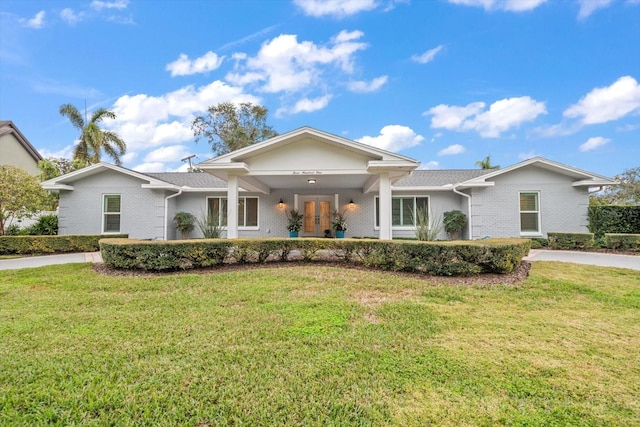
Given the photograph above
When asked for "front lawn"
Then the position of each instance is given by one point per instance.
(318, 345)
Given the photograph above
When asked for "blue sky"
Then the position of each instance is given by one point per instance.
(447, 82)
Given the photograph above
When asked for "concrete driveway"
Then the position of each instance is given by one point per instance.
(39, 261)
(591, 258)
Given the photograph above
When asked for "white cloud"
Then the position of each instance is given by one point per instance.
(116, 4)
(430, 165)
(428, 56)
(526, 156)
(501, 116)
(64, 153)
(171, 153)
(70, 16)
(506, 5)
(150, 167)
(604, 104)
(183, 66)
(451, 150)
(366, 87)
(593, 143)
(393, 138)
(305, 105)
(285, 65)
(36, 22)
(145, 121)
(335, 8)
(308, 105)
(587, 7)
(129, 156)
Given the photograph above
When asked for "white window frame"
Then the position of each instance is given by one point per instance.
(222, 215)
(105, 213)
(376, 213)
(537, 212)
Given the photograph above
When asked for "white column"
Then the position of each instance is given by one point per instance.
(232, 207)
(385, 207)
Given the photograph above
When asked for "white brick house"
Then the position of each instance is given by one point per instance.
(251, 189)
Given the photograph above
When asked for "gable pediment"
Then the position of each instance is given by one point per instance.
(308, 154)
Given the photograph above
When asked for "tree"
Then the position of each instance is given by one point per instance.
(486, 164)
(20, 195)
(229, 127)
(93, 140)
(625, 192)
(53, 167)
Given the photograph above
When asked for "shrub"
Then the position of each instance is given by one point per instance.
(623, 242)
(454, 222)
(436, 258)
(47, 225)
(614, 219)
(184, 223)
(35, 245)
(570, 240)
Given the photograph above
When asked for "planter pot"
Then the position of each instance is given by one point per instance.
(293, 234)
(339, 234)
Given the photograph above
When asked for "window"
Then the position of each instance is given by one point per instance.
(111, 213)
(529, 213)
(247, 210)
(403, 210)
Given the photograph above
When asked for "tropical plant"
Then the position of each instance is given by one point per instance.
(454, 222)
(228, 126)
(21, 195)
(184, 223)
(486, 164)
(339, 222)
(94, 140)
(426, 229)
(209, 225)
(295, 220)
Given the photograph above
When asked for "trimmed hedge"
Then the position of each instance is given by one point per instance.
(38, 245)
(570, 240)
(435, 258)
(614, 219)
(623, 242)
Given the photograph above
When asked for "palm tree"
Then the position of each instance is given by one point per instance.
(486, 164)
(94, 140)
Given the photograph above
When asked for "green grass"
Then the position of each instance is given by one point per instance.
(308, 345)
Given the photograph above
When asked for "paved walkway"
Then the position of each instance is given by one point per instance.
(591, 258)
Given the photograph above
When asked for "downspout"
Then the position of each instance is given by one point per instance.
(166, 211)
(455, 190)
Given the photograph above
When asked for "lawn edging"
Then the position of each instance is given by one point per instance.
(457, 258)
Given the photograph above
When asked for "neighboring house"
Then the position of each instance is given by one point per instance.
(16, 150)
(250, 190)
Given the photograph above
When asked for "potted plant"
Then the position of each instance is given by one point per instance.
(184, 223)
(454, 222)
(339, 224)
(295, 222)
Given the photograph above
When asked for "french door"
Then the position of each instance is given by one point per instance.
(317, 215)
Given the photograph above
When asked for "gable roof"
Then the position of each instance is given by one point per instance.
(309, 132)
(582, 177)
(7, 127)
(189, 179)
(439, 177)
(185, 181)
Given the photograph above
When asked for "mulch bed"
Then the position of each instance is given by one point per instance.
(513, 278)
